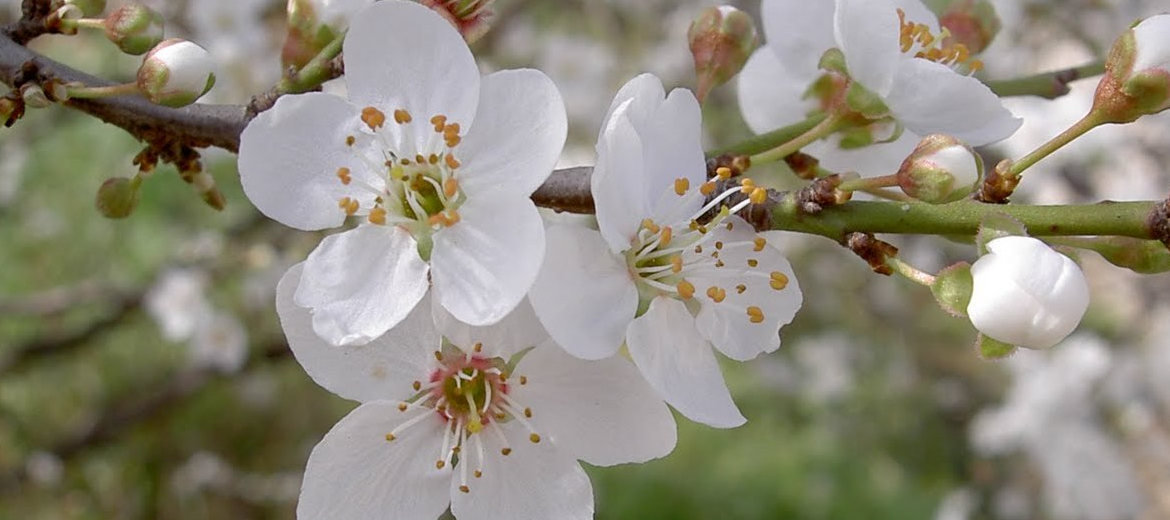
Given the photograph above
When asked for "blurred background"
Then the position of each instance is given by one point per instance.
(143, 373)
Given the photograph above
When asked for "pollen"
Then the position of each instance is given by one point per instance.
(349, 140)
(723, 172)
(528, 413)
(758, 196)
(433, 159)
(349, 205)
(402, 407)
(747, 186)
(439, 122)
(739, 289)
(373, 118)
(681, 185)
(439, 464)
(506, 451)
(778, 280)
(759, 242)
(450, 187)
(438, 356)
(534, 438)
(752, 262)
(450, 161)
(464, 489)
(343, 174)
(686, 290)
(717, 294)
(417, 385)
(478, 347)
(402, 117)
(523, 380)
(378, 216)
(707, 189)
(719, 245)
(390, 437)
(755, 315)
(649, 225)
(676, 264)
(478, 473)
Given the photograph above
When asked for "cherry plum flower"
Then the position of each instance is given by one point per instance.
(488, 420)
(656, 278)
(436, 161)
(896, 50)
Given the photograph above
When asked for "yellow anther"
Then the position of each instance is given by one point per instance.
(402, 407)
(755, 315)
(528, 413)
(649, 225)
(420, 159)
(390, 437)
(438, 356)
(523, 380)
(450, 187)
(778, 280)
(707, 189)
(676, 264)
(747, 186)
(475, 426)
(478, 473)
(373, 118)
(739, 289)
(719, 263)
(758, 196)
(698, 250)
(752, 262)
(453, 217)
(534, 438)
(449, 159)
(975, 66)
(759, 242)
(417, 385)
(719, 245)
(717, 294)
(439, 121)
(478, 347)
(402, 117)
(681, 185)
(349, 205)
(666, 237)
(452, 140)
(433, 159)
(464, 488)
(686, 290)
(349, 140)
(439, 464)
(506, 451)
(343, 174)
(723, 172)
(378, 216)
(404, 162)
(729, 226)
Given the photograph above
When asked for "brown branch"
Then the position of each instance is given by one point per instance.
(65, 342)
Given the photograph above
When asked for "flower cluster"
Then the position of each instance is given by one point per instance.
(491, 350)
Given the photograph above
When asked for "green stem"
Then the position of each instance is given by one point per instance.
(910, 272)
(963, 218)
(102, 92)
(826, 126)
(764, 142)
(315, 72)
(90, 23)
(1089, 122)
(867, 184)
(1049, 85)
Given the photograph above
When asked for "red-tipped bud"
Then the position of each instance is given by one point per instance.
(721, 40)
(134, 28)
(472, 18)
(1137, 73)
(972, 23)
(117, 197)
(176, 73)
(940, 169)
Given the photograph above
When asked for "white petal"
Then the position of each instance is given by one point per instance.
(360, 283)
(584, 294)
(535, 482)
(289, 157)
(672, 148)
(517, 136)
(645, 87)
(798, 33)
(867, 32)
(869, 161)
(401, 55)
(675, 359)
(727, 323)
(930, 98)
(484, 265)
(601, 412)
(1152, 43)
(618, 181)
(518, 330)
(770, 96)
(385, 368)
(356, 474)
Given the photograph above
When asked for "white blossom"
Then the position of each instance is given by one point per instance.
(438, 162)
(1026, 294)
(654, 277)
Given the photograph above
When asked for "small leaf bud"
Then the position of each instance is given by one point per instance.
(472, 18)
(721, 39)
(176, 73)
(117, 197)
(134, 28)
(940, 169)
(1137, 73)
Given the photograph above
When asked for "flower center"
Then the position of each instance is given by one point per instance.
(421, 191)
(917, 40)
(470, 394)
(665, 259)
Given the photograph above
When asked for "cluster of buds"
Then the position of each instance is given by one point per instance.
(721, 39)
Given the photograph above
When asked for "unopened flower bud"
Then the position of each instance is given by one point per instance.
(88, 7)
(1026, 294)
(940, 169)
(176, 73)
(312, 25)
(471, 17)
(1137, 73)
(117, 197)
(721, 39)
(134, 28)
(34, 96)
(972, 23)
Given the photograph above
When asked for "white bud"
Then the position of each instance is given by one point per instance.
(1026, 294)
(1152, 44)
(940, 169)
(176, 73)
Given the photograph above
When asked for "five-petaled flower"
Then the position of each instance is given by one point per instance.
(896, 50)
(489, 420)
(438, 163)
(667, 282)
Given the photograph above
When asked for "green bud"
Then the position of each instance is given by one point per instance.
(721, 39)
(117, 197)
(134, 28)
(88, 7)
(940, 169)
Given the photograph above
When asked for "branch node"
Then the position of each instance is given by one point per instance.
(875, 252)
